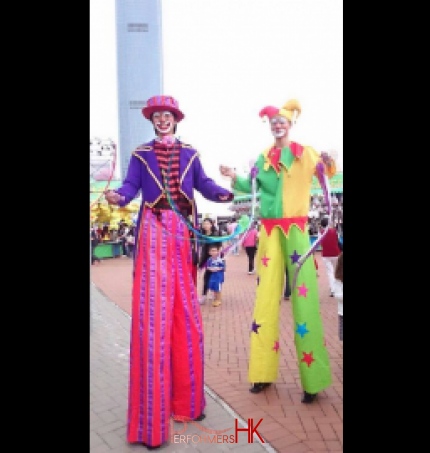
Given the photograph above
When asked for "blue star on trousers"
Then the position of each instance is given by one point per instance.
(295, 257)
(255, 326)
(301, 329)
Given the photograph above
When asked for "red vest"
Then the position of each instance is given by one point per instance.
(330, 243)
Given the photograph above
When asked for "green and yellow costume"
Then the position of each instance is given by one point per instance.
(284, 181)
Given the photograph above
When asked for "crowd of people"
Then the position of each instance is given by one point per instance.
(124, 234)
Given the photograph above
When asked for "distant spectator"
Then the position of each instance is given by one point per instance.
(231, 227)
(329, 251)
(130, 241)
(338, 275)
(250, 245)
(105, 233)
(122, 235)
(287, 288)
(94, 242)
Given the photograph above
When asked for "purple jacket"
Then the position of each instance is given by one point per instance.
(144, 174)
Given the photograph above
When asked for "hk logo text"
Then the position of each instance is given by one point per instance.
(212, 436)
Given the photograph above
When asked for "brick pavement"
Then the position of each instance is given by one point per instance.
(288, 425)
(109, 356)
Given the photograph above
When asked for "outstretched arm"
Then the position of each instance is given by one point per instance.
(240, 183)
(130, 186)
(329, 164)
(207, 186)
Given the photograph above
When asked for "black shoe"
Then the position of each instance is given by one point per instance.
(186, 419)
(307, 398)
(151, 447)
(259, 387)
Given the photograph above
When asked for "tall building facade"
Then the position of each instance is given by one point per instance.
(140, 71)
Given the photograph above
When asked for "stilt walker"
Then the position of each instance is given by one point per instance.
(283, 177)
(166, 342)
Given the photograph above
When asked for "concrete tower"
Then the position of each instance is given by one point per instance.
(140, 72)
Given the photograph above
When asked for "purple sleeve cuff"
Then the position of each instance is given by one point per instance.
(230, 197)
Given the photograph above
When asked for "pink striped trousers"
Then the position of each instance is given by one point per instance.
(166, 341)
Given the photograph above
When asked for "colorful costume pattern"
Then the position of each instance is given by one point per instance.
(284, 181)
(166, 353)
(166, 342)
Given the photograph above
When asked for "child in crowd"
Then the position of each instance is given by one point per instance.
(338, 275)
(208, 228)
(216, 266)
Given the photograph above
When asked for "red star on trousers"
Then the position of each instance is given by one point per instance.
(307, 358)
(276, 346)
(265, 259)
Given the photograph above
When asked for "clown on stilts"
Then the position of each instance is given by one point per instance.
(166, 341)
(284, 174)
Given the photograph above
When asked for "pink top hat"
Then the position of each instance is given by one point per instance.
(160, 103)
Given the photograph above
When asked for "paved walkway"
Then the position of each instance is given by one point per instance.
(288, 425)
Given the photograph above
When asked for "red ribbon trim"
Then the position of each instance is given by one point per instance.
(284, 224)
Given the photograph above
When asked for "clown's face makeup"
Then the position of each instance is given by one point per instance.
(164, 122)
(279, 126)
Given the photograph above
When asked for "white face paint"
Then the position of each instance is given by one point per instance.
(279, 126)
(278, 134)
(164, 122)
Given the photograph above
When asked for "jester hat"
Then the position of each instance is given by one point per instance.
(290, 110)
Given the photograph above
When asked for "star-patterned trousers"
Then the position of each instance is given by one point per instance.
(275, 252)
(166, 342)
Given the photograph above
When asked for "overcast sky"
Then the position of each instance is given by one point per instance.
(224, 60)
